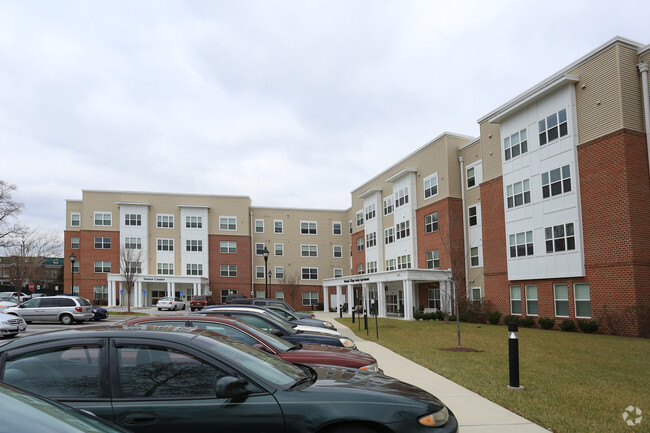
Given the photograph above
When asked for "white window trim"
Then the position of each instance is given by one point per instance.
(531, 299)
(555, 299)
(309, 250)
(73, 214)
(275, 249)
(170, 217)
(228, 217)
(334, 251)
(575, 301)
(511, 299)
(259, 220)
(102, 213)
(257, 269)
(340, 226)
(434, 175)
(309, 222)
(281, 227)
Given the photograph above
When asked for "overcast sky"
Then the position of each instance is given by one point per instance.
(293, 103)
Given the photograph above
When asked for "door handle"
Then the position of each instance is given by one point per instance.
(139, 418)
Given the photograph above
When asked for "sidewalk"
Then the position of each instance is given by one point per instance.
(475, 414)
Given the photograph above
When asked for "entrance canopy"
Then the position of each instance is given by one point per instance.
(145, 285)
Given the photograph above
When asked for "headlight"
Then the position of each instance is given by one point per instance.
(435, 419)
(346, 342)
(372, 368)
(328, 325)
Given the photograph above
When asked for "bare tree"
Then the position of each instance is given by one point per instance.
(131, 260)
(455, 274)
(290, 285)
(27, 250)
(9, 209)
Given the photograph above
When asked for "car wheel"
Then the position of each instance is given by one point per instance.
(159, 309)
(351, 429)
(175, 307)
(10, 335)
(191, 309)
(183, 306)
(66, 319)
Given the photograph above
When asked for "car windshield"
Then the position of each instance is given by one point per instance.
(279, 344)
(272, 369)
(198, 298)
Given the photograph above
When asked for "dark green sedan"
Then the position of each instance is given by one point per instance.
(174, 379)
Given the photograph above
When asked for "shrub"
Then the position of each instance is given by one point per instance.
(567, 325)
(545, 322)
(527, 321)
(451, 318)
(509, 318)
(430, 316)
(588, 326)
(418, 315)
(494, 317)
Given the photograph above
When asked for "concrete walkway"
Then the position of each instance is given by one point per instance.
(475, 414)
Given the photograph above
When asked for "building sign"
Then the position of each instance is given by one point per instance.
(356, 280)
(153, 279)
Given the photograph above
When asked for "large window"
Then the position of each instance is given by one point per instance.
(100, 292)
(193, 245)
(388, 205)
(309, 250)
(359, 244)
(194, 269)
(532, 307)
(560, 238)
(371, 267)
(401, 197)
(102, 243)
(165, 244)
(228, 223)
(390, 265)
(308, 228)
(102, 266)
(404, 262)
(521, 244)
(133, 243)
(228, 247)
(582, 297)
(516, 144)
(556, 182)
(165, 268)
(515, 300)
(431, 186)
(561, 295)
(371, 240)
(553, 127)
(103, 219)
(165, 221)
(132, 219)
(389, 235)
(309, 298)
(371, 211)
(403, 230)
(518, 193)
(433, 299)
(193, 222)
(433, 259)
(359, 218)
(309, 273)
(431, 223)
(228, 270)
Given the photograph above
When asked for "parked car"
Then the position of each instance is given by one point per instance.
(170, 303)
(64, 309)
(199, 302)
(7, 303)
(33, 413)
(290, 317)
(230, 298)
(99, 313)
(170, 379)
(277, 302)
(20, 296)
(295, 353)
(11, 325)
(281, 328)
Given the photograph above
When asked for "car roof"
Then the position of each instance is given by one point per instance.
(184, 317)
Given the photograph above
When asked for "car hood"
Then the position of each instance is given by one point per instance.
(316, 330)
(328, 355)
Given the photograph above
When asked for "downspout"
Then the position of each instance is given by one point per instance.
(643, 69)
(250, 228)
(465, 231)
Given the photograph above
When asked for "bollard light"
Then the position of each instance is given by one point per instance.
(513, 356)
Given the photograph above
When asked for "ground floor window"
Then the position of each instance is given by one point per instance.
(309, 298)
(476, 294)
(434, 299)
(225, 293)
(532, 308)
(260, 293)
(75, 290)
(515, 300)
(156, 295)
(101, 293)
(561, 294)
(582, 299)
(394, 304)
(279, 295)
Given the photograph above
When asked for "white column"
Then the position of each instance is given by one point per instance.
(350, 299)
(326, 299)
(339, 298)
(408, 299)
(365, 294)
(111, 294)
(381, 298)
(138, 301)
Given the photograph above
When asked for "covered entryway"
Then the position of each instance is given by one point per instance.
(149, 288)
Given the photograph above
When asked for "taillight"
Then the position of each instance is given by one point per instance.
(79, 310)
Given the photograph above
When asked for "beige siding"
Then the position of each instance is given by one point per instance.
(631, 89)
(491, 150)
(72, 206)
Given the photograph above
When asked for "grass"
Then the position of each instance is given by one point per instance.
(573, 382)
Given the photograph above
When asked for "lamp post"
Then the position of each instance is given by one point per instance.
(265, 253)
(73, 259)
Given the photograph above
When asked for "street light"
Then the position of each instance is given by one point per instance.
(73, 259)
(265, 253)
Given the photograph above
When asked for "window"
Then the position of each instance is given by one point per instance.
(359, 244)
(390, 265)
(582, 299)
(388, 205)
(561, 294)
(279, 295)
(228, 247)
(194, 269)
(279, 272)
(100, 293)
(165, 268)
(433, 299)
(259, 272)
(165, 221)
(259, 226)
(403, 230)
(228, 223)
(338, 272)
(75, 219)
(471, 177)
(133, 268)
(401, 197)
(359, 218)
(193, 245)
(75, 267)
(193, 222)
(371, 240)
(556, 182)
(389, 235)
(309, 250)
(474, 259)
(404, 262)
(278, 249)
(309, 273)
(278, 227)
(338, 251)
(259, 249)
(133, 243)
(431, 186)
(476, 294)
(350, 223)
(165, 244)
(103, 219)
(132, 219)
(532, 308)
(309, 298)
(518, 193)
(516, 144)
(371, 267)
(553, 127)
(472, 213)
(228, 270)
(102, 266)
(560, 238)
(74, 242)
(521, 244)
(337, 228)
(308, 228)
(371, 211)
(515, 300)
(361, 269)
(431, 223)
(433, 259)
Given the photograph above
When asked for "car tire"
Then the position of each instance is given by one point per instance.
(192, 309)
(10, 335)
(66, 319)
(159, 309)
(183, 306)
(351, 429)
(175, 308)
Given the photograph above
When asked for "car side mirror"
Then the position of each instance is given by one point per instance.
(276, 332)
(231, 387)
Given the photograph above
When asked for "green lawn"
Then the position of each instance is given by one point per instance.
(573, 382)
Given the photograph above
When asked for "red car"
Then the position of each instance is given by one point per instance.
(249, 334)
(199, 302)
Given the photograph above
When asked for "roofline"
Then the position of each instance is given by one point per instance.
(497, 113)
(102, 191)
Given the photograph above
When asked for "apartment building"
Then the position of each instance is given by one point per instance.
(545, 214)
